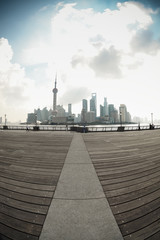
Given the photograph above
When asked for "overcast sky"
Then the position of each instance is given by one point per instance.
(108, 47)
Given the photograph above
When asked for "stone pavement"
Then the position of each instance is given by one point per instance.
(79, 209)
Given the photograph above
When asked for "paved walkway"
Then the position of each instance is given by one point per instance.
(79, 209)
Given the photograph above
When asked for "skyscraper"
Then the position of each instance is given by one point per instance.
(69, 109)
(123, 113)
(105, 107)
(84, 110)
(101, 111)
(55, 90)
(85, 105)
(93, 103)
(110, 112)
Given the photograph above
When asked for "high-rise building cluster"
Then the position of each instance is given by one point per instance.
(108, 113)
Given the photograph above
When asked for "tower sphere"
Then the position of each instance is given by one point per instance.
(55, 90)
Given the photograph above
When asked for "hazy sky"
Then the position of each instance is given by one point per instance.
(108, 47)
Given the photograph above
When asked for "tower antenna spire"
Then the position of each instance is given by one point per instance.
(56, 80)
(55, 90)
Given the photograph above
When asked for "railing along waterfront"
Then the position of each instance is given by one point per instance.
(100, 128)
(126, 128)
(32, 127)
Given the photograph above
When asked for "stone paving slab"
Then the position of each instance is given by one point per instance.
(78, 156)
(79, 209)
(78, 181)
(77, 143)
(80, 220)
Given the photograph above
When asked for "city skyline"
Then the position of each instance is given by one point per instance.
(88, 114)
(108, 47)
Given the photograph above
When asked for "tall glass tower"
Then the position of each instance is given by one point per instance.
(93, 103)
(105, 107)
(69, 109)
(85, 105)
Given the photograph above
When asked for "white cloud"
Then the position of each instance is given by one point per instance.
(6, 55)
(89, 32)
(144, 41)
(134, 12)
(44, 8)
(107, 63)
(14, 85)
(88, 49)
(37, 53)
(74, 95)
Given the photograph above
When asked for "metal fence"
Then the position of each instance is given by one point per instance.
(125, 128)
(32, 128)
(77, 128)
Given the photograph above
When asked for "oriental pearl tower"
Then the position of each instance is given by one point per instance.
(55, 90)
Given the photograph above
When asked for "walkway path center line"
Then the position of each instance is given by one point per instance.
(79, 209)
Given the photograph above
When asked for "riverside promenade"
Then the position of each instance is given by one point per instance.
(90, 186)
